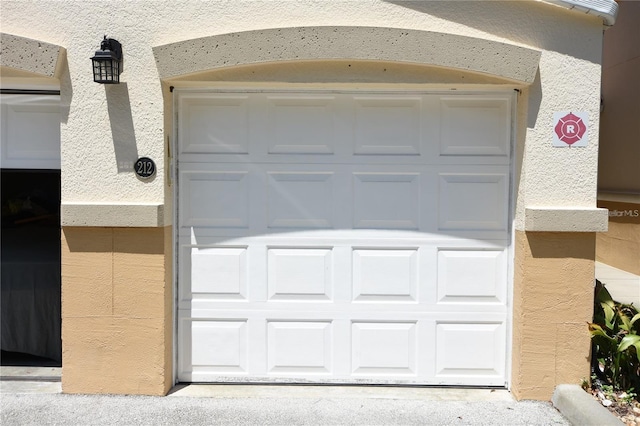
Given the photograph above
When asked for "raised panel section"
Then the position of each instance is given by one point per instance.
(471, 276)
(469, 201)
(216, 199)
(300, 273)
(219, 272)
(383, 348)
(215, 125)
(386, 200)
(475, 126)
(300, 200)
(219, 346)
(467, 350)
(299, 347)
(301, 125)
(385, 275)
(387, 126)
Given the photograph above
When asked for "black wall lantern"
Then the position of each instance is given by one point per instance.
(107, 62)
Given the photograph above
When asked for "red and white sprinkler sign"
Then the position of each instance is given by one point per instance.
(570, 128)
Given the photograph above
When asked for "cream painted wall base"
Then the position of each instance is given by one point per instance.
(117, 317)
(552, 303)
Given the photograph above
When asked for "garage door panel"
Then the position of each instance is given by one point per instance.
(342, 129)
(470, 350)
(473, 201)
(386, 200)
(385, 275)
(381, 272)
(471, 276)
(215, 124)
(220, 272)
(215, 199)
(473, 126)
(301, 125)
(300, 274)
(384, 348)
(387, 126)
(300, 347)
(214, 346)
(461, 353)
(300, 199)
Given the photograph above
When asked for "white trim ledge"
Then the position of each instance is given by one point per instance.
(125, 215)
(566, 219)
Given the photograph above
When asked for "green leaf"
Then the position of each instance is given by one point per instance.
(599, 334)
(637, 346)
(628, 340)
(635, 318)
(626, 323)
(596, 329)
(609, 313)
(603, 294)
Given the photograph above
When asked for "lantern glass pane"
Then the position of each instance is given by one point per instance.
(106, 71)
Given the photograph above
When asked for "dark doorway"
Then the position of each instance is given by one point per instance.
(31, 277)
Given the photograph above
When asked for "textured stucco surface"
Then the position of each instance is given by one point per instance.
(358, 43)
(117, 294)
(116, 312)
(109, 127)
(27, 55)
(552, 303)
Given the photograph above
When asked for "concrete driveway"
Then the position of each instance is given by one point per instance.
(33, 403)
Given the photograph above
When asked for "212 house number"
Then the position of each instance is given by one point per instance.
(145, 167)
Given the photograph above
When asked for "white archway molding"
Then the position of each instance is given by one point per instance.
(502, 60)
(31, 56)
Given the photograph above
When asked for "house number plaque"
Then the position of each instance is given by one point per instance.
(145, 167)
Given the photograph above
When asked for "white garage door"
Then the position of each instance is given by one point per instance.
(343, 237)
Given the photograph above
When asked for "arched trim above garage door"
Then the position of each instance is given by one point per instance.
(503, 60)
(31, 56)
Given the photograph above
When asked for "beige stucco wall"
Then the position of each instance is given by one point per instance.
(552, 303)
(117, 286)
(117, 317)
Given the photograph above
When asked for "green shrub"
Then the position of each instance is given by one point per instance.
(615, 336)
